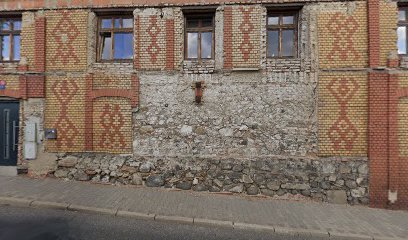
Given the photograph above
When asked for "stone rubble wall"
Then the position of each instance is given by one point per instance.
(326, 179)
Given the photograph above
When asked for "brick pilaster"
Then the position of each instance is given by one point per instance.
(228, 37)
(170, 44)
(39, 52)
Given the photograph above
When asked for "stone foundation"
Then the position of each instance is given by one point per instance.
(325, 179)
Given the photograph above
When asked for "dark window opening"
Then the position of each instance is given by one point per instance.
(402, 30)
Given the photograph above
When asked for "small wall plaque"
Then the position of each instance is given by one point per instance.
(50, 133)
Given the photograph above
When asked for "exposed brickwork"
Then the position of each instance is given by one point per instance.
(39, 41)
(66, 40)
(228, 37)
(388, 38)
(343, 38)
(343, 114)
(155, 39)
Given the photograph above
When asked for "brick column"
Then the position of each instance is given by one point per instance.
(228, 37)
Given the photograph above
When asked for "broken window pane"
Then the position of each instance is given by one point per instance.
(123, 48)
(402, 40)
(106, 47)
(192, 42)
(206, 45)
(288, 37)
(16, 50)
(273, 43)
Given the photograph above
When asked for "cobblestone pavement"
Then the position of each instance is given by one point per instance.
(320, 219)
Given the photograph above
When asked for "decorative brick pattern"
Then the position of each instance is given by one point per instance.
(343, 38)
(388, 37)
(242, 33)
(343, 114)
(67, 40)
(65, 111)
(154, 39)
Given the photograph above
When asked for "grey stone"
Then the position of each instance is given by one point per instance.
(363, 169)
(235, 188)
(226, 166)
(146, 129)
(81, 176)
(214, 189)
(128, 169)
(218, 183)
(337, 196)
(226, 132)
(137, 179)
(306, 193)
(184, 185)
(268, 192)
(146, 167)
(343, 169)
(358, 193)
(328, 168)
(273, 185)
(155, 181)
(68, 162)
(332, 178)
(246, 179)
(186, 130)
(238, 168)
(295, 186)
(105, 179)
(361, 181)
(280, 192)
(351, 184)
(61, 173)
(253, 190)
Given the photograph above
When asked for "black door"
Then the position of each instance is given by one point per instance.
(9, 126)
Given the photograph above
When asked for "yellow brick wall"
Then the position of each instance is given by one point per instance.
(65, 111)
(12, 81)
(103, 81)
(246, 35)
(403, 126)
(343, 130)
(342, 38)
(66, 47)
(388, 31)
(112, 125)
(27, 38)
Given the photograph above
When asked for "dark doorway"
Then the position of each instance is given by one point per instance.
(9, 126)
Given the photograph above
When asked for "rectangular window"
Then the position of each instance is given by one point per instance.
(10, 30)
(115, 38)
(199, 37)
(282, 31)
(402, 30)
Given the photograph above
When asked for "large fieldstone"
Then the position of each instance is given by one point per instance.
(337, 196)
(68, 162)
(155, 181)
(61, 173)
(253, 190)
(184, 185)
(137, 179)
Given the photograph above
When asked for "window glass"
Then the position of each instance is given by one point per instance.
(288, 37)
(6, 25)
(273, 20)
(192, 41)
(116, 23)
(402, 40)
(192, 23)
(5, 48)
(17, 25)
(273, 43)
(401, 15)
(16, 50)
(107, 23)
(128, 23)
(287, 19)
(207, 22)
(106, 47)
(123, 46)
(206, 45)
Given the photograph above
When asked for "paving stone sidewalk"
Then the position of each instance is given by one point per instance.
(320, 219)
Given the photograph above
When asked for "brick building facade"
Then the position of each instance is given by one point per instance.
(291, 98)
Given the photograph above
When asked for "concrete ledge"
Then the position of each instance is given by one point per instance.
(209, 222)
(19, 202)
(121, 213)
(174, 219)
(53, 205)
(238, 225)
(302, 232)
(80, 208)
(8, 171)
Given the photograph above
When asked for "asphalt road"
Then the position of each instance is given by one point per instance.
(50, 224)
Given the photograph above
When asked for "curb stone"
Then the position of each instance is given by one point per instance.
(19, 202)
(203, 221)
(52, 205)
